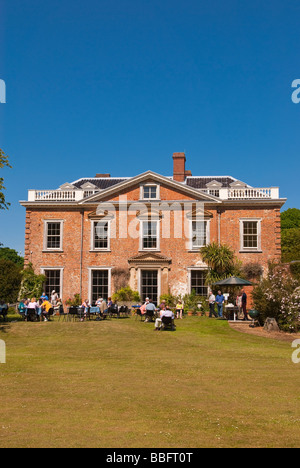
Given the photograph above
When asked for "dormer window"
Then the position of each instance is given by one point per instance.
(149, 192)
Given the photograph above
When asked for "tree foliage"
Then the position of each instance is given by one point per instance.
(32, 284)
(4, 162)
(222, 262)
(290, 236)
(10, 280)
(12, 255)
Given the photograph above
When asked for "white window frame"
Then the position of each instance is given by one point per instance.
(207, 221)
(90, 270)
(142, 248)
(43, 269)
(45, 240)
(250, 249)
(142, 191)
(93, 248)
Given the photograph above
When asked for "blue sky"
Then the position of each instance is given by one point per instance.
(117, 86)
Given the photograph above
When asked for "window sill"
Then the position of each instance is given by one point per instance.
(250, 251)
(53, 251)
(99, 250)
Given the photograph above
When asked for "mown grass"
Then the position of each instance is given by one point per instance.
(120, 384)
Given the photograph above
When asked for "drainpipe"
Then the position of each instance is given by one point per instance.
(219, 226)
(81, 251)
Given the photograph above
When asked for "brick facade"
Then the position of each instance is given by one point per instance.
(173, 260)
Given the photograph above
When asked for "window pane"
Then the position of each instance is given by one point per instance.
(251, 234)
(53, 235)
(53, 282)
(150, 192)
(100, 235)
(99, 284)
(198, 278)
(150, 235)
(199, 236)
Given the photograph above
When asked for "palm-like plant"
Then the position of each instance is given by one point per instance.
(221, 261)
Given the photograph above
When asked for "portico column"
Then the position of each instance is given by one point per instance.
(164, 280)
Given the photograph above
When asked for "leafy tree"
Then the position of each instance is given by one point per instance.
(10, 280)
(12, 255)
(290, 245)
(290, 219)
(3, 163)
(222, 262)
(32, 284)
(290, 236)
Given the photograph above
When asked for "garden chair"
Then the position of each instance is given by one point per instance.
(73, 312)
(168, 322)
(138, 313)
(149, 315)
(62, 313)
(114, 311)
(3, 311)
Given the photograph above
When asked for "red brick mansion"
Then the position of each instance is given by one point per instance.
(150, 226)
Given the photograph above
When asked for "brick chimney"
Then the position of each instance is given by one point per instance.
(102, 176)
(179, 172)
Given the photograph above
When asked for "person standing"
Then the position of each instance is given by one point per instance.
(244, 304)
(179, 310)
(54, 298)
(212, 305)
(220, 300)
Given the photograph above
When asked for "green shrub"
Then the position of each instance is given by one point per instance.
(126, 295)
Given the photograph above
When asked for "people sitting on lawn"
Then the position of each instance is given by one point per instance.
(46, 310)
(164, 313)
(44, 297)
(150, 309)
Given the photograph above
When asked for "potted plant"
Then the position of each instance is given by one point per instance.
(191, 303)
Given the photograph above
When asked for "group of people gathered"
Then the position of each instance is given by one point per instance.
(148, 309)
(40, 308)
(219, 301)
(44, 307)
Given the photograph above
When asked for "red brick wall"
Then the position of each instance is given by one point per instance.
(123, 249)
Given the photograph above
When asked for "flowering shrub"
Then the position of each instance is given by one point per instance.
(75, 301)
(278, 297)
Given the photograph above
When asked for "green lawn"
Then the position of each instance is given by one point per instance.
(119, 384)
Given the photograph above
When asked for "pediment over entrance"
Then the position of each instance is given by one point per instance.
(149, 259)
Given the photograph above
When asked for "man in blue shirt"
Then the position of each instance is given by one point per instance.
(220, 299)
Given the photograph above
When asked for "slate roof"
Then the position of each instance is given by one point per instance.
(193, 182)
(200, 182)
(101, 183)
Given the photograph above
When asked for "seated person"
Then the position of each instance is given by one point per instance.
(46, 309)
(22, 308)
(150, 309)
(164, 313)
(57, 306)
